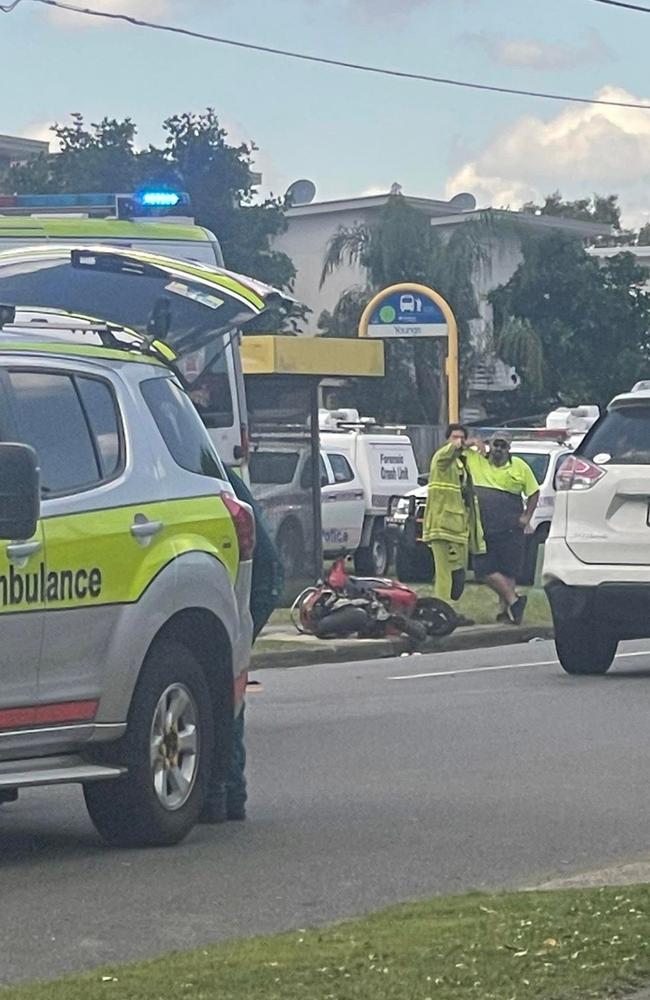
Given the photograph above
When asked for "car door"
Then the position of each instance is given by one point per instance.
(343, 501)
(608, 505)
(22, 609)
(70, 417)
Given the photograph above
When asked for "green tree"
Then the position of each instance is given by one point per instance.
(580, 323)
(404, 246)
(197, 156)
(597, 208)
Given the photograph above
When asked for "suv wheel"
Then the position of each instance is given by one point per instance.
(167, 751)
(583, 649)
(291, 549)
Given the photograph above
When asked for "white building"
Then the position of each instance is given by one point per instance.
(310, 228)
(15, 149)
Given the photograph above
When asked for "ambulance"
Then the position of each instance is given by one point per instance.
(155, 222)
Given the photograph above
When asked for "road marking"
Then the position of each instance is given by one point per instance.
(504, 666)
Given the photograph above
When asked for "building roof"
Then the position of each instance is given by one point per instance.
(17, 148)
(641, 253)
(446, 213)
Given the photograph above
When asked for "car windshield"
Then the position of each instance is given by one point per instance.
(621, 437)
(273, 468)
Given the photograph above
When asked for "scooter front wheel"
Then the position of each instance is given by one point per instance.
(438, 618)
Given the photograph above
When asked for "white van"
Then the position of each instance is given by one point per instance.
(384, 462)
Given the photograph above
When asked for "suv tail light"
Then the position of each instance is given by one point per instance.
(577, 473)
(244, 522)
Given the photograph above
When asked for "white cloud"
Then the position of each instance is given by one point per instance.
(149, 9)
(532, 53)
(581, 150)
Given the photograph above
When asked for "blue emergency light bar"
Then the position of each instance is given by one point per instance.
(159, 199)
(148, 202)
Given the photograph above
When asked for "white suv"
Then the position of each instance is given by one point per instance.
(597, 560)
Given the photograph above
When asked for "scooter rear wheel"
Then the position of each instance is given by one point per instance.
(439, 618)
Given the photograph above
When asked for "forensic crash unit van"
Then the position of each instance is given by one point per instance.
(125, 559)
(360, 465)
(149, 221)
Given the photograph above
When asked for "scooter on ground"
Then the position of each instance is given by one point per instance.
(370, 607)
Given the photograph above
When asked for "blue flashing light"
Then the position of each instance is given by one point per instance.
(159, 199)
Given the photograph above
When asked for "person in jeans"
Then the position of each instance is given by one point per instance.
(507, 493)
(228, 802)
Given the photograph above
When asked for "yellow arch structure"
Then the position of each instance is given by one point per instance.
(451, 364)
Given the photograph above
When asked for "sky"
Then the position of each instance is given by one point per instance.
(354, 133)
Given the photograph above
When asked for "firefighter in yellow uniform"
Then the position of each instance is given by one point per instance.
(452, 522)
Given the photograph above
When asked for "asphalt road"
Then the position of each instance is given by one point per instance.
(370, 784)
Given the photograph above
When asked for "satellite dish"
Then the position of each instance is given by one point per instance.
(463, 202)
(301, 192)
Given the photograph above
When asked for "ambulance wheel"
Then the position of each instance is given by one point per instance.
(167, 752)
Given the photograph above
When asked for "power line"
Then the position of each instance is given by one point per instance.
(626, 6)
(323, 60)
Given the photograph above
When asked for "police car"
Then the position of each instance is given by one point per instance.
(125, 559)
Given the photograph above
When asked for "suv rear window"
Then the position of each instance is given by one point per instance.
(623, 435)
(181, 428)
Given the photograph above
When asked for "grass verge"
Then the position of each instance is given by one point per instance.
(588, 943)
(477, 602)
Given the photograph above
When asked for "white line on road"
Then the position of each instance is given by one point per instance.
(504, 666)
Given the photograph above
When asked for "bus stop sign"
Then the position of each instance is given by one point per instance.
(408, 312)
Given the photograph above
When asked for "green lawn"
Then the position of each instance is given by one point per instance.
(521, 946)
(481, 604)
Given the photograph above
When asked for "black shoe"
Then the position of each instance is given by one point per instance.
(516, 610)
(463, 622)
(237, 814)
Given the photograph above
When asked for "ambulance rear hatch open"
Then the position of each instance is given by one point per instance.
(195, 310)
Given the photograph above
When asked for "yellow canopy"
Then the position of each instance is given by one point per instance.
(323, 357)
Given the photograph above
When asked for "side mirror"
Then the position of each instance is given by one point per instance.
(423, 480)
(20, 492)
(324, 481)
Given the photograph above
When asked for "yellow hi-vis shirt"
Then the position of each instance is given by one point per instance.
(500, 490)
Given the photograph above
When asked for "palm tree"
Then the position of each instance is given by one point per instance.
(404, 246)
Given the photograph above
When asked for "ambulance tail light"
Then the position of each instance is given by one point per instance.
(244, 522)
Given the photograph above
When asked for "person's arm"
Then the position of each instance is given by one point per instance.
(445, 456)
(477, 444)
(531, 505)
(531, 492)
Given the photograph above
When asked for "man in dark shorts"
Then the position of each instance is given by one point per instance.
(507, 493)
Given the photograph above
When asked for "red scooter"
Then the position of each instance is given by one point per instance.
(369, 607)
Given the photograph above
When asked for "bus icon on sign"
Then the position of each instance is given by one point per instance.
(410, 304)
